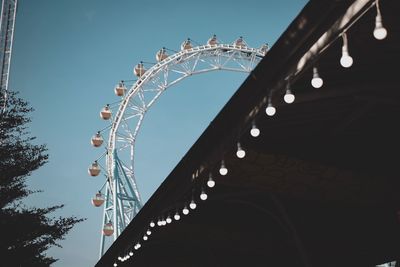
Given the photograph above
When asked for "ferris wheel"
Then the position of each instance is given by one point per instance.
(119, 193)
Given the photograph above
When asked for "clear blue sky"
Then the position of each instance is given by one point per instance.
(68, 55)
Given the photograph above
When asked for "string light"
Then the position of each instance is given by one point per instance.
(192, 204)
(380, 32)
(163, 222)
(185, 210)
(210, 182)
(270, 110)
(159, 222)
(148, 232)
(346, 60)
(119, 258)
(115, 264)
(169, 220)
(145, 238)
(152, 224)
(177, 216)
(223, 170)
(254, 130)
(203, 195)
(289, 96)
(127, 257)
(316, 81)
(131, 253)
(240, 153)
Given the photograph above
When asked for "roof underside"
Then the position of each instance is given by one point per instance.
(318, 187)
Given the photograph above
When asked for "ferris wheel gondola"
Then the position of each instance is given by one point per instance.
(187, 44)
(98, 199)
(139, 69)
(94, 169)
(161, 55)
(108, 229)
(97, 140)
(105, 113)
(213, 40)
(120, 89)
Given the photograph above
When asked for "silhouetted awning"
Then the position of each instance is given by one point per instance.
(320, 185)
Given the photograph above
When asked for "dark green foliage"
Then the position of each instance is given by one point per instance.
(27, 233)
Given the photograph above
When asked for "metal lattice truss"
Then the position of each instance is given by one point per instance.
(7, 25)
(122, 199)
(122, 195)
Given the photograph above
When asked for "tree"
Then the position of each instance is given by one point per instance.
(27, 233)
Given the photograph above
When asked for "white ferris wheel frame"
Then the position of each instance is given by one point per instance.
(136, 102)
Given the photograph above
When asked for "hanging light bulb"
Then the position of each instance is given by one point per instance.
(223, 170)
(380, 32)
(203, 195)
(210, 182)
(185, 210)
(289, 96)
(270, 110)
(145, 238)
(346, 60)
(148, 232)
(316, 81)
(137, 246)
(192, 205)
(177, 216)
(254, 130)
(240, 153)
(169, 220)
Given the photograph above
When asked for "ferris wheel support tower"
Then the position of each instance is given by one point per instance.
(7, 24)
